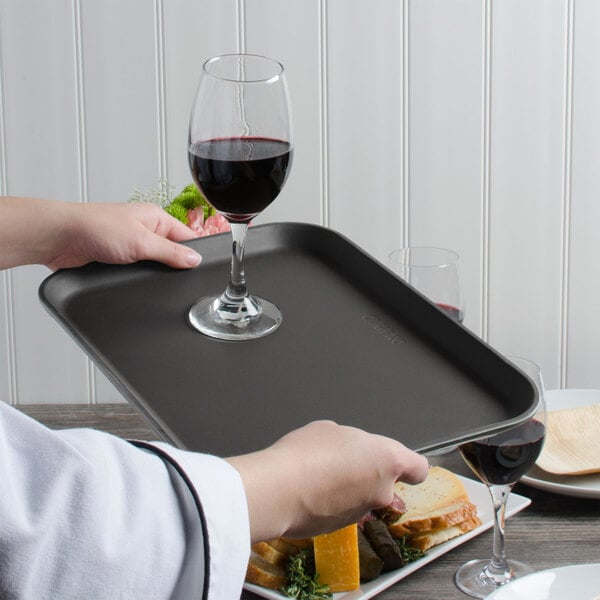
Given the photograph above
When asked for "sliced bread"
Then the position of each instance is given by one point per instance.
(300, 543)
(262, 572)
(439, 501)
(271, 554)
(284, 546)
(428, 539)
(440, 518)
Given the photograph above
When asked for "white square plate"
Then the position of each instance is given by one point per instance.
(478, 494)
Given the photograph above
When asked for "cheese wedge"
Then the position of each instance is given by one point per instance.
(336, 559)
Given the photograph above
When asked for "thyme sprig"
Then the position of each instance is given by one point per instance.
(303, 581)
(409, 554)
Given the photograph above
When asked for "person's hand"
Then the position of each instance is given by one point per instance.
(121, 234)
(322, 477)
(70, 234)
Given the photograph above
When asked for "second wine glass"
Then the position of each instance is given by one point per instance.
(434, 272)
(500, 461)
(240, 151)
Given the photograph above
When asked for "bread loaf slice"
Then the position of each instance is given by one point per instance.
(271, 554)
(284, 546)
(265, 574)
(439, 501)
(428, 539)
(447, 516)
(300, 543)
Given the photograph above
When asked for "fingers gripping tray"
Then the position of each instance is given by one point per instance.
(357, 345)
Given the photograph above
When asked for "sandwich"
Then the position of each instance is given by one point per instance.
(437, 510)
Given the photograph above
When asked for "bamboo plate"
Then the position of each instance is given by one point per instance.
(572, 445)
(579, 486)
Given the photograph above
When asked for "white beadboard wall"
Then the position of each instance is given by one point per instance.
(469, 124)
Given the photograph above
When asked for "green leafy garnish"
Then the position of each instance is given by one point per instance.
(409, 554)
(179, 206)
(179, 212)
(188, 199)
(303, 581)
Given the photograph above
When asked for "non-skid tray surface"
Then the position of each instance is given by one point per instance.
(357, 345)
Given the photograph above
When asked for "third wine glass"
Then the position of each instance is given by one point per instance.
(500, 461)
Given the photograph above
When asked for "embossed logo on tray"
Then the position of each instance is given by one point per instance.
(378, 324)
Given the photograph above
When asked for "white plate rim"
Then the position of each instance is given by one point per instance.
(581, 486)
(478, 494)
(569, 574)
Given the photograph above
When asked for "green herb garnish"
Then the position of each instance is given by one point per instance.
(162, 195)
(188, 199)
(303, 581)
(409, 554)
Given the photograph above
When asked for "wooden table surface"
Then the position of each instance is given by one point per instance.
(553, 531)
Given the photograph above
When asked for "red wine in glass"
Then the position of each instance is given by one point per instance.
(452, 311)
(506, 457)
(240, 176)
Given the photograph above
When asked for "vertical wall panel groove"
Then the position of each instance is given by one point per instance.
(82, 152)
(404, 237)
(324, 112)
(566, 226)
(9, 317)
(160, 90)
(80, 103)
(3, 145)
(485, 163)
(241, 26)
(584, 279)
(10, 387)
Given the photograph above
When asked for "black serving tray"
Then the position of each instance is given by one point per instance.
(357, 345)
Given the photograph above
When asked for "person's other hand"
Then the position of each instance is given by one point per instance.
(321, 477)
(119, 234)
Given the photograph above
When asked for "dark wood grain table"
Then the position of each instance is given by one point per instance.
(554, 531)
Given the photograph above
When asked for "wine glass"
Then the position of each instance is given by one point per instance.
(500, 461)
(240, 151)
(434, 272)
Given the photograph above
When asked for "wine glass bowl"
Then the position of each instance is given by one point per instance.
(434, 272)
(240, 151)
(499, 461)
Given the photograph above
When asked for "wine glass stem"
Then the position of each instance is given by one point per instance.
(236, 289)
(498, 568)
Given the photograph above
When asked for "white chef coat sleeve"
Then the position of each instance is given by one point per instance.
(84, 514)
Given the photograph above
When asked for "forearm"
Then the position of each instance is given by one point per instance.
(271, 500)
(30, 229)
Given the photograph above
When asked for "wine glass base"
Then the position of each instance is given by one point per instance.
(473, 580)
(248, 319)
